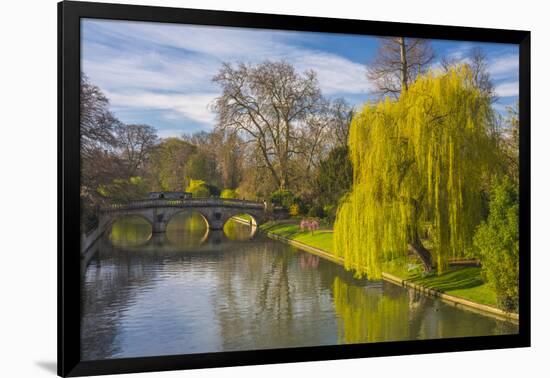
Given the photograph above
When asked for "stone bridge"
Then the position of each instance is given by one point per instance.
(215, 211)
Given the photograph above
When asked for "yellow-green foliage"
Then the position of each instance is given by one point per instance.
(198, 188)
(124, 190)
(366, 316)
(294, 209)
(420, 160)
(497, 244)
(229, 194)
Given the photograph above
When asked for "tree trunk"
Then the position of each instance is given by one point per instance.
(404, 66)
(424, 255)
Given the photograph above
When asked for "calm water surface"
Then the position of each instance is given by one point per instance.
(191, 291)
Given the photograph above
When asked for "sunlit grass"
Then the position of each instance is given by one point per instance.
(321, 238)
(464, 282)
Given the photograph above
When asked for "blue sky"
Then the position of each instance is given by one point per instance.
(160, 74)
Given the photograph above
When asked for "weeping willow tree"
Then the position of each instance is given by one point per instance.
(420, 164)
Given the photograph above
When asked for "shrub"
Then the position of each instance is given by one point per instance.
(316, 211)
(497, 243)
(330, 213)
(198, 188)
(229, 194)
(294, 210)
(123, 191)
(283, 198)
(214, 190)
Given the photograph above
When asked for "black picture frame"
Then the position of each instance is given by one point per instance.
(69, 15)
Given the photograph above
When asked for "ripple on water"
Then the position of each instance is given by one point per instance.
(236, 295)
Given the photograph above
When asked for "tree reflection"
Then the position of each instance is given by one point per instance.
(187, 229)
(238, 231)
(365, 315)
(267, 300)
(130, 231)
(242, 295)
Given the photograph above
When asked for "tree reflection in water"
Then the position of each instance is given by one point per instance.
(130, 231)
(187, 229)
(176, 294)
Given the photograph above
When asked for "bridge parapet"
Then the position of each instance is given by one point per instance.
(182, 203)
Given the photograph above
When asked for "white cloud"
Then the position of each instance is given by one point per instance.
(220, 42)
(169, 67)
(111, 70)
(504, 66)
(509, 89)
(169, 133)
(460, 53)
(499, 107)
(336, 75)
(500, 67)
(194, 107)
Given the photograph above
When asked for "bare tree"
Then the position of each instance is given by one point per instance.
(135, 143)
(97, 123)
(510, 140)
(398, 62)
(341, 114)
(477, 61)
(270, 104)
(98, 161)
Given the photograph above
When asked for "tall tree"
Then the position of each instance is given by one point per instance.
(135, 143)
(333, 179)
(497, 244)
(270, 104)
(419, 164)
(97, 123)
(341, 114)
(224, 149)
(229, 157)
(476, 60)
(201, 166)
(99, 164)
(166, 166)
(398, 62)
(510, 141)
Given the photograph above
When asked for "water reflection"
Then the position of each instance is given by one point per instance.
(187, 230)
(130, 231)
(234, 230)
(227, 293)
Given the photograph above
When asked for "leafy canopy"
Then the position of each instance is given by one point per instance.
(419, 166)
(229, 194)
(198, 188)
(497, 243)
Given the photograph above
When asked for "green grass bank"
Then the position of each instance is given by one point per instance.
(463, 282)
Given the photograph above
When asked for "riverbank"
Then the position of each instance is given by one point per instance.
(461, 285)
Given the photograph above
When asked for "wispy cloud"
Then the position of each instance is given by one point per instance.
(460, 52)
(509, 89)
(191, 106)
(504, 66)
(336, 75)
(167, 68)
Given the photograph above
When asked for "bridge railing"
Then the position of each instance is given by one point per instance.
(192, 202)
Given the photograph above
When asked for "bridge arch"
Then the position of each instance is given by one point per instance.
(128, 234)
(232, 230)
(191, 234)
(180, 211)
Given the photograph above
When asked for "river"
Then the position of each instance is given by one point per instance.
(194, 291)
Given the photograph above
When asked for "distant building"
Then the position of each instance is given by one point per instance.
(170, 195)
